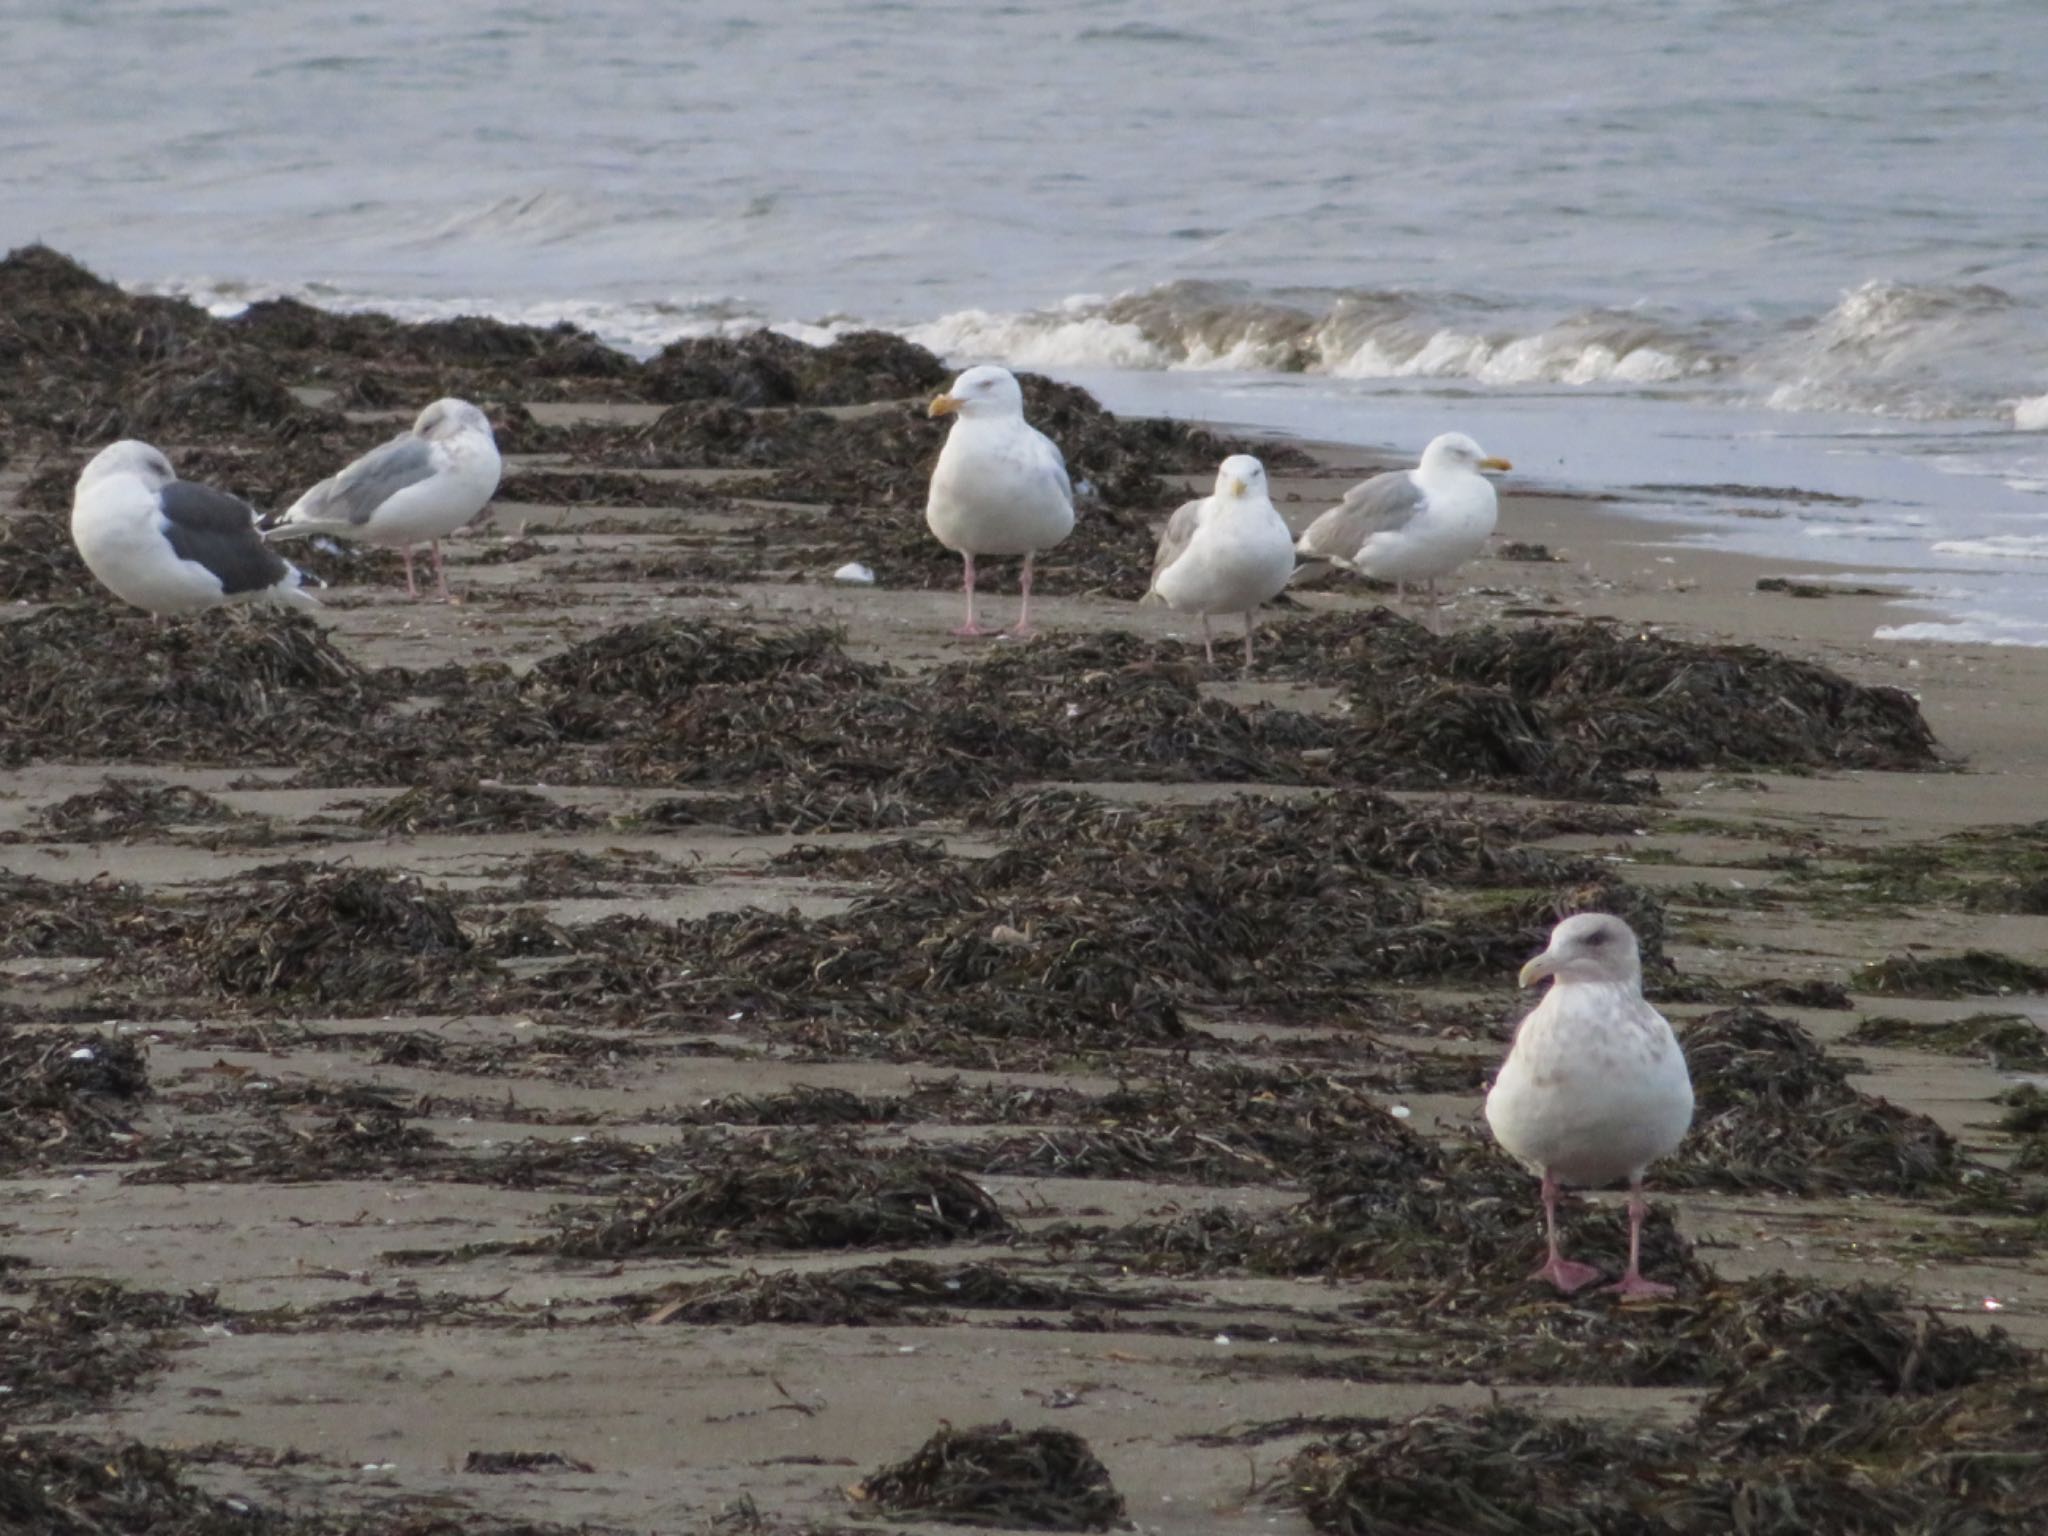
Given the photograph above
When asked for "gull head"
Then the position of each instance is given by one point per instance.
(1590, 947)
(128, 457)
(1240, 478)
(1456, 451)
(450, 418)
(985, 391)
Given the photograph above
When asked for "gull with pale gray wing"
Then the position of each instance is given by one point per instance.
(1413, 525)
(416, 489)
(1000, 486)
(1594, 1088)
(170, 546)
(1226, 553)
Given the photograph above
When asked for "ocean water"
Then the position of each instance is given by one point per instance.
(1688, 252)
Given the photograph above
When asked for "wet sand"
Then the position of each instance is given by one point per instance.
(372, 1338)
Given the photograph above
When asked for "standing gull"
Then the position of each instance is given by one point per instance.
(1226, 553)
(169, 546)
(1000, 487)
(1413, 524)
(1594, 1088)
(418, 488)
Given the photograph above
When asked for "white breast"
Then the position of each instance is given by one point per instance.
(1238, 558)
(1595, 1087)
(995, 491)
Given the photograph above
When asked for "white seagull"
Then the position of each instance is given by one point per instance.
(1594, 1088)
(1413, 524)
(1000, 486)
(418, 488)
(169, 546)
(1226, 553)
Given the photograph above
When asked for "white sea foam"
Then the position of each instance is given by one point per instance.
(1981, 630)
(1998, 546)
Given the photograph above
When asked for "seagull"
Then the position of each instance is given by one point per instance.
(1413, 524)
(418, 488)
(1000, 486)
(1226, 553)
(169, 546)
(1594, 1087)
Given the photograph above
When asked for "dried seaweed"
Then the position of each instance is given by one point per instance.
(1973, 973)
(68, 1346)
(125, 808)
(2011, 1041)
(66, 1097)
(92, 683)
(326, 936)
(463, 805)
(1774, 1111)
(789, 1195)
(992, 1474)
(910, 1292)
(1953, 1463)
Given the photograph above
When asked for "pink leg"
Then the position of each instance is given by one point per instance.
(441, 577)
(1023, 624)
(970, 628)
(1248, 621)
(1632, 1283)
(411, 590)
(1566, 1274)
(1208, 642)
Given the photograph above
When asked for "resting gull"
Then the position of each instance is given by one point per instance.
(1000, 487)
(169, 546)
(1594, 1088)
(418, 488)
(1414, 524)
(1226, 553)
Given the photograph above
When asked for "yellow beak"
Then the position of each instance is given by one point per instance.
(1238, 487)
(1495, 464)
(943, 405)
(1536, 970)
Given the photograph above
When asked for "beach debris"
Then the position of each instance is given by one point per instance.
(320, 936)
(790, 1194)
(68, 1095)
(464, 805)
(1776, 1112)
(997, 1475)
(1973, 973)
(856, 574)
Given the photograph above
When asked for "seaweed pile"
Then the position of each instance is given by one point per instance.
(127, 808)
(96, 684)
(789, 1195)
(334, 936)
(1776, 1112)
(794, 720)
(1965, 1461)
(1973, 973)
(464, 805)
(1577, 704)
(992, 1474)
(906, 1292)
(66, 1097)
(1289, 910)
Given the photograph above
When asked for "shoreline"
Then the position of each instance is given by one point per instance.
(673, 1374)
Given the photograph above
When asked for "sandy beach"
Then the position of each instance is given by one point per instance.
(686, 1140)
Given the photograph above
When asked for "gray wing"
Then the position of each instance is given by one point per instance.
(1379, 505)
(355, 494)
(1180, 532)
(1057, 463)
(216, 530)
